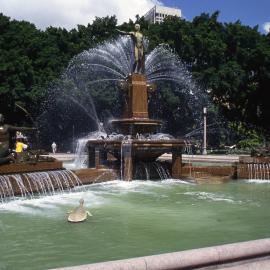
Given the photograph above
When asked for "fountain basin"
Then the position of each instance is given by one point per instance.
(148, 150)
(30, 167)
(252, 254)
(45, 183)
(130, 219)
(93, 175)
(28, 179)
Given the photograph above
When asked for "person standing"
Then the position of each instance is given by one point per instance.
(54, 147)
(5, 135)
(20, 146)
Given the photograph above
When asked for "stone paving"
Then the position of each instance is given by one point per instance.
(186, 158)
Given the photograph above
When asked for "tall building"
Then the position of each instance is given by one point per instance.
(158, 13)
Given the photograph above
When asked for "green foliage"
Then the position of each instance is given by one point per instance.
(31, 59)
(253, 142)
(231, 61)
(249, 138)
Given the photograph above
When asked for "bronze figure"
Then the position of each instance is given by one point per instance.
(139, 50)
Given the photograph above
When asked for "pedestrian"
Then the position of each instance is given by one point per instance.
(54, 147)
(20, 146)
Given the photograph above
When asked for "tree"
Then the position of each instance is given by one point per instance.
(230, 61)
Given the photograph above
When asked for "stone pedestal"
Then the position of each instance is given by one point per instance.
(137, 97)
(127, 162)
(91, 157)
(136, 121)
(96, 157)
(135, 117)
(128, 169)
(176, 163)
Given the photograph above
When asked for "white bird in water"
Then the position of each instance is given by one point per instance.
(79, 214)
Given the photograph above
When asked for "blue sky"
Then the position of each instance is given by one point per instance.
(249, 12)
(69, 13)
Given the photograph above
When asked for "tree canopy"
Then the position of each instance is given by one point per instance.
(230, 61)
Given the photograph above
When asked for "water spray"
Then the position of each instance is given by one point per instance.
(32, 120)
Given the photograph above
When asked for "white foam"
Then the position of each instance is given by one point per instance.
(141, 186)
(49, 205)
(178, 181)
(94, 194)
(210, 196)
(257, 181)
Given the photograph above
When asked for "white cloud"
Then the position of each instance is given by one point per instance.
(69, 13)
(266, 27)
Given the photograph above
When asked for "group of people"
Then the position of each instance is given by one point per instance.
(6, 132)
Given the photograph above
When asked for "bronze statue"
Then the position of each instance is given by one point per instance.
(5, 130)
(139, 50)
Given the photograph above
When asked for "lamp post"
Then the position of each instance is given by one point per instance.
(204, 130)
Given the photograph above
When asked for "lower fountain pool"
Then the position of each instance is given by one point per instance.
(131, 219)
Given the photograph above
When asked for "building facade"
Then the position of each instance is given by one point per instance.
(157, 14)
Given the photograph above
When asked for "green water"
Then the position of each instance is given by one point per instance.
(129, 220)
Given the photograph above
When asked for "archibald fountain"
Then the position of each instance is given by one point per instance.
(135, 144)
(135, 124)
(130, 219)
(34, 173)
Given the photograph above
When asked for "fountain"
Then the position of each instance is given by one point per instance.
(134, 137)
(255, 167)
(133, 142)
(131, 149)
(26, 173)
(135, 218)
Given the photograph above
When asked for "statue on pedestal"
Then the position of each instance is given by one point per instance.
(139, 50)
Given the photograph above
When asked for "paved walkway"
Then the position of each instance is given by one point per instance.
(186, 158)
(205, 158)
(63, 156)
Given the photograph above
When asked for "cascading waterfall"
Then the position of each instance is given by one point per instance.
(81, 157)
(188, 150)
(163, 174)
(80, 153)
(258, 171)
(39, 183)
(144, 170)
(121, 162)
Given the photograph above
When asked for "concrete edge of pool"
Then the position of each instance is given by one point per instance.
(237, 256)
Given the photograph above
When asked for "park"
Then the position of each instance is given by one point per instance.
(159, 131)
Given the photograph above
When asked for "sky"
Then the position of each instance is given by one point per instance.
(69, 13)
(249, 12)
